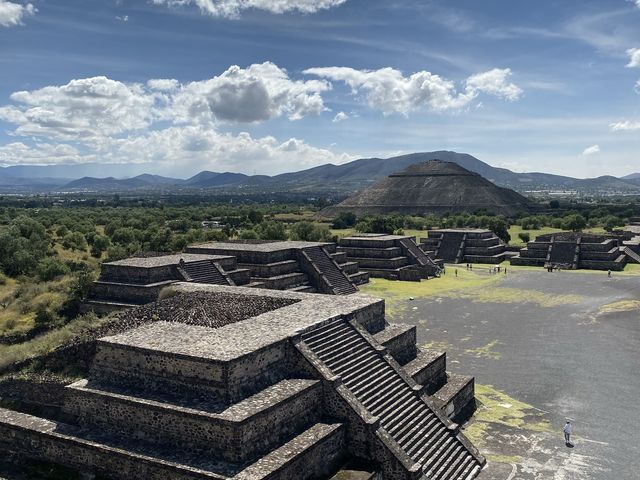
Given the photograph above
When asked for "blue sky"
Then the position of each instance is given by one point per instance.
(268, 86)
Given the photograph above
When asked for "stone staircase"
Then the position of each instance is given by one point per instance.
(385, 393)
(635, 258)
(333, 278)
(449, 247)
(204, 271)
(419, 257)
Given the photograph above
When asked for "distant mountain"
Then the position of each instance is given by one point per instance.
(339, 179)
(144, 181)
(359, 174)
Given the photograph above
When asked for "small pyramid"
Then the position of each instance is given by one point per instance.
(432, 187)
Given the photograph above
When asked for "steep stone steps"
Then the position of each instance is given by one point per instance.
(635, 258)
(205, 271)
(384, 393)
(418, 256)
(338, 280)
(237, 433)
(313, 453)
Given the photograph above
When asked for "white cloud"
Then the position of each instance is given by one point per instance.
(12, 14)
(165, 122)
(233, 8)
(184, 148)
(340, 116)
(495, 82)
(634, 57)
(86, 108)
(123, 18)
(18, 153)
(390, 92)
(163, 84)
(257, 93)
(92, 108)
(592, 150)
(624, 126)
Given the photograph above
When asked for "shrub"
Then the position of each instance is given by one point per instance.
(524, 236)
(116, 252)
(248, 235)
(50, 268)
(74, 241)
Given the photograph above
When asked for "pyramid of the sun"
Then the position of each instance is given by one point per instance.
(432, 187)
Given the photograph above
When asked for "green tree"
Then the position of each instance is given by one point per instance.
(74, 241)
(344, 220)
(99, 245)
(575, 222)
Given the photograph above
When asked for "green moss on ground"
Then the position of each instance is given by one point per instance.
(486, 351)
(498, 410)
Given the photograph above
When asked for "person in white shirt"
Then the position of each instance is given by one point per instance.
(567, 432)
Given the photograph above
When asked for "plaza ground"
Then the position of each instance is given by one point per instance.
(543, 347)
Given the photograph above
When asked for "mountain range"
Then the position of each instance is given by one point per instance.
(329, 178)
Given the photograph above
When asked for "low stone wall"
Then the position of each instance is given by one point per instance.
(597, 265)
(271, 269)
(357, 252)
(126, 292)
(245, 256)
(400, 341)
(388, 263)
(236, 435)
(36, 438)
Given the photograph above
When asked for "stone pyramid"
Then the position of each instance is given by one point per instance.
(432, 187)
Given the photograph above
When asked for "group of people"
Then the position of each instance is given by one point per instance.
(497, 269)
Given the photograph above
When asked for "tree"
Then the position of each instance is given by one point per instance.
(271, 231)
(309, 232)
(524, 236)
(555, 204)
(500, 227)
(575, 222)
(611, 222)
(50, 268)
(344, 220)
(100, 244)
(74, 241)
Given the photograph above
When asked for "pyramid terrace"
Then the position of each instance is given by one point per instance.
(265, 384)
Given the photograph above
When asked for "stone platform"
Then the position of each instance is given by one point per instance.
(394, 257)
(574, 251)
(464, 245)
(139, 280)
(292, 392)
(292, 265)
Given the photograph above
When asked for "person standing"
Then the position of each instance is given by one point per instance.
(609, 273)
(568, 430)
